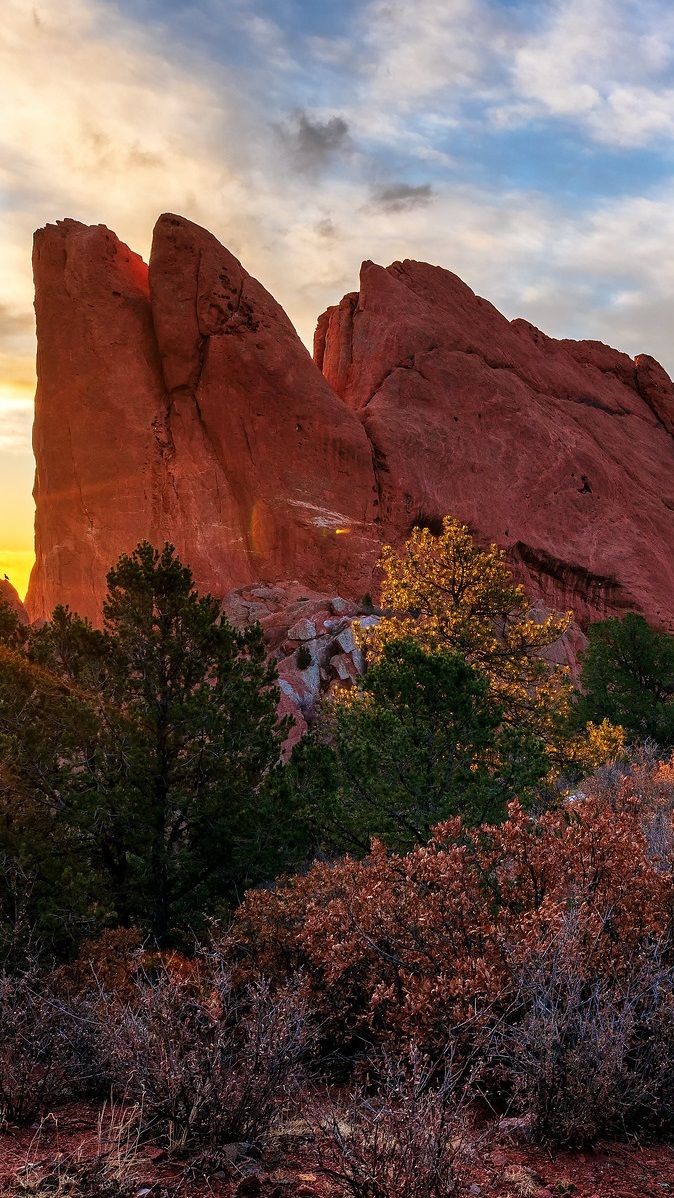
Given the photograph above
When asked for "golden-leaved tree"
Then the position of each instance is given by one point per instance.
(445, 592)
(458, 713)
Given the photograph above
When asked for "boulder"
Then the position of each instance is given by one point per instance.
(316, 630)
(10, 596)
(303, 630)
(344, 667)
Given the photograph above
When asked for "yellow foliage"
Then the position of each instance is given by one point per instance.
(446, 592)
(601, 743)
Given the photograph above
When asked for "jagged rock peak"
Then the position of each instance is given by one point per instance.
(178, 403)
(184, 409)
(559, 451)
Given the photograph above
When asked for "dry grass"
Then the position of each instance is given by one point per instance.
(111, 1170)
(523, 1181)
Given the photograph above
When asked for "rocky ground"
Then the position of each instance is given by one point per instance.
(71, 1152)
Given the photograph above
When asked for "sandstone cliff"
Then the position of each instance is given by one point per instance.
(560, 451)
(178, 403)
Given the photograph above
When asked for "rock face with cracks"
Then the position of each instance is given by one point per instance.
(559, 451)
(177, 403)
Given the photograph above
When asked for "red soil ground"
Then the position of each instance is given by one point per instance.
(499, 1168)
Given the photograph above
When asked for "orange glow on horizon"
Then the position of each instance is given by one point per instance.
(17, 565)
(16, 482)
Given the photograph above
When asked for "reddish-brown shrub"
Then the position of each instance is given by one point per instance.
(415, 945)
(206, 1063)
(108, 963)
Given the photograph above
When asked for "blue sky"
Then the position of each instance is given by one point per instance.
(528, 146)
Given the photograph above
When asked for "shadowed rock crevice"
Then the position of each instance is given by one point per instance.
(589, 595)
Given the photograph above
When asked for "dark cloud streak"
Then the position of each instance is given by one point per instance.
(401, 197)
(313, 144)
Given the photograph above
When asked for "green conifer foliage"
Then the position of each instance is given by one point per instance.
(154, 747)
(423, 740)
(627, 677)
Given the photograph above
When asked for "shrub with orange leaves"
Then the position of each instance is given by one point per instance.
(415, 946)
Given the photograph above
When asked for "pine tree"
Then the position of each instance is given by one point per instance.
(166, 749)
(627, 677)
(422, 740)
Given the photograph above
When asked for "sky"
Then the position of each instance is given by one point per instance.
(527, 145)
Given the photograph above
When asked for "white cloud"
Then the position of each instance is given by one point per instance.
(112, 122)
(16, 416)
(605, 64)
(417, 51)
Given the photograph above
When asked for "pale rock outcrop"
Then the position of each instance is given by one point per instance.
(327, 630)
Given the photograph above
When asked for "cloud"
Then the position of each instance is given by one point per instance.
(115, 122)
(415, 53)
(400, 197)
(313, 144)
(15, 323)
(605, 64)
(103, 128)
(16, 417)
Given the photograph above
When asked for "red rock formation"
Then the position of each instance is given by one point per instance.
(182, 406)
(187, 410)
(562, 452)
(10, 596)
(99, 402)
(271, 475)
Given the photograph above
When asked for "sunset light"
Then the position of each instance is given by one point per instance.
(16, 475)
(512, 142)
(336, 598)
